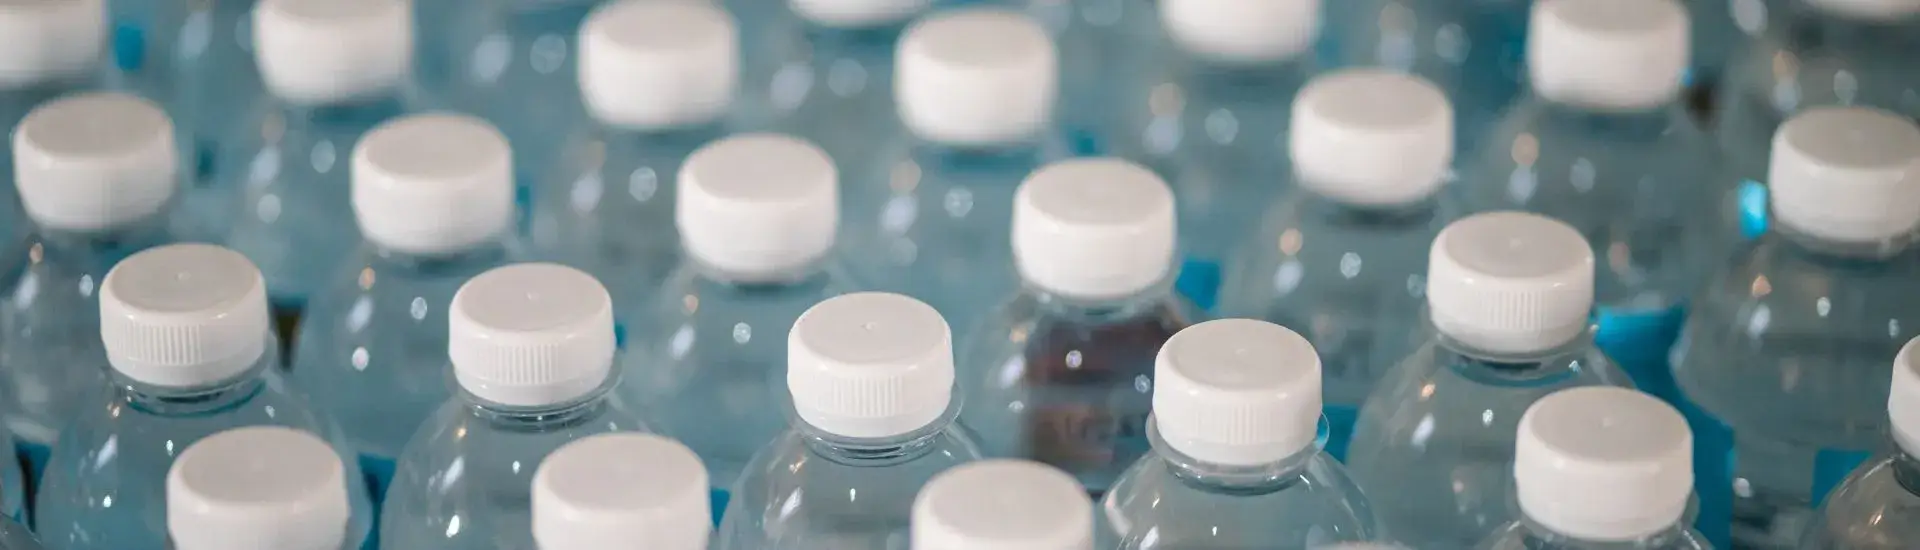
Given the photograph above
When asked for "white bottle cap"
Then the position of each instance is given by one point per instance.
(184, 315)
(531, 335)
(1372, 137)
(433, 184)
(758, 206)
(976, 77)
(1093, 228)
(1237, 392)
(1847, 174)
(616, 491)
(1243, 31)
(42, 41)
(870, 365)
(651, 64)
(258, 487)
(1608, 54)
(858, 13)
(1903, 402)
(1603, 464)
(1510, 282)
(94, 161)
(1871, 10)
(328, 51)
(1003, 505)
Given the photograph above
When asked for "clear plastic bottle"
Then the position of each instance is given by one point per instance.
(1601, 468)
(372, 349)
(1235, 461)
(1816, 53)
(657, 80)
(615, 491)
(1211, 117)
(532, 347)
(1878, 506)
(1474, 51)
(46, 50)
(186, 332)
(97, 174)
(1341, 258)
(1062, 373)
(932, 218)
(871, 375)
(1783, 362)
(1508, 296)
(257, 488)
(1003, 505)
(757, 216)
(514, 63)
(1107, 44)
(282, 159)
(14, 536)
(1604, 144)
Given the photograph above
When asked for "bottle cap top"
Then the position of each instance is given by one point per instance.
(183, 315)
(1903, 401)
(1243, 31)
(1848, 174)
(870, 365)
(758, 205)
(976, 77)
(622, 491)
(42, 41)
(1510, 282)
(329, 51)
(94, 161)
(1608, 54)
(1003, 505)
(531, 335)
(258, 487)
(858, 13)
(1604, 464)
(1372, 137)
(651, 64)
(433, 184)
(1237, 392)
(1093, 228)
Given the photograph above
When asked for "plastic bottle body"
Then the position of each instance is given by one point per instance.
(1874, 509)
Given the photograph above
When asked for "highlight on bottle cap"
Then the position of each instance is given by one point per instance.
(1371, 137)
(1093, 228)
(1604, 464)
(1848, 174)
(95, 161)
(1510, 282)
(622, 490)
(1003, 505)
(331, 51)
(870, 365)
(1608, 54)
(654, 64)
(977, 76)
(258, 487)
(433, 184)
(758, 206)
(184, 315)
(531, 335)
(1237, 392)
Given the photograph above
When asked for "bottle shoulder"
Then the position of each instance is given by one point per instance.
(1152, 506)
(1873, 508)
(1522, 535)
(795, 490)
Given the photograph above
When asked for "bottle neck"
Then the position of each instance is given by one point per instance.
(197, 400)
(1338, 213)
(807, 274)
(110, 245)
(1807, 23)
(1643, 124)
(374, 108)
(1255, 479)
(1906, 471)
(486, 253)
(1540, 536)
(539, 418)
(1829, 250)
(1546, 365)
(877, 451)
(1148, 302)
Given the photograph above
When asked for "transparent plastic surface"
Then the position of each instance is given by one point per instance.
(1876, 508)
(373, 347)
(105, 488)
(511, 62)
(1169, 501)
(1472, 50)
(1068, 383)
(1437, 435)
(465, 481)
(1102, 42)
(708, 361)
(1526, 535)
(14, 536)
(809, 490)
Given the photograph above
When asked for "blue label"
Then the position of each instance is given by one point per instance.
(1753, 208)
(35, 455)
(378, 471)
(720, 498)
(1199, 281)
(1832, 466)
(1713, 462)
(129, 45)
(1639, 341)
(1337, 430)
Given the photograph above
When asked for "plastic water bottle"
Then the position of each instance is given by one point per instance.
(1235, 464)
(824, 70)
(1785, 355)
(46, 50)
(1722, 31)
(614, 491)
(1875, 507)
(757, 216)
(433, 195)
(14, 536)
(1107, 45)
(1601, 467)
(186, 332)
(533, 351)
(260, 487)
(1474, 51)
(512, 62)
(1213, 119)
(658, 80)
(96, 173)
(1507, 323)
(1604, 145)
(1815, 53)
(1003, 505)
(932, 218)
(1341, 258)
(1062, 373)
(871, 375)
